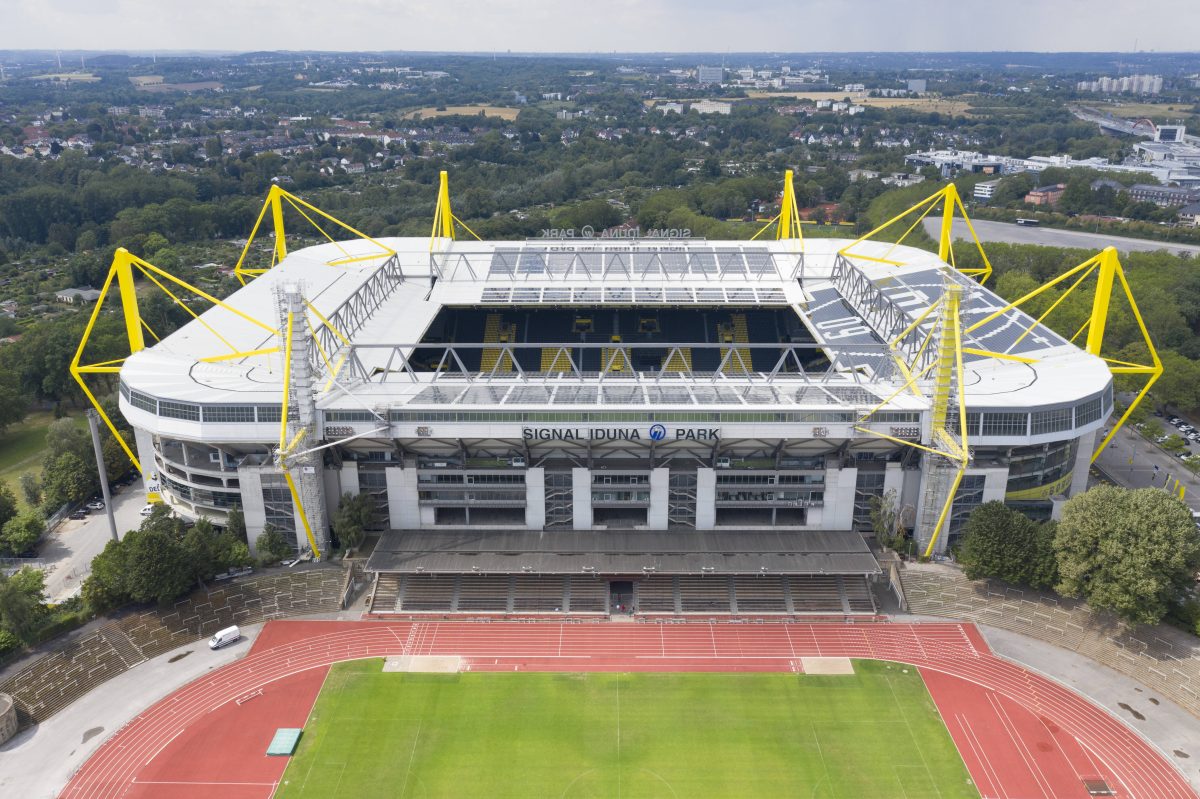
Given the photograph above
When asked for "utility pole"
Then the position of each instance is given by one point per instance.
(94, 424)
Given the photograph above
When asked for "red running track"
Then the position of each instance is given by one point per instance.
(1021, 735)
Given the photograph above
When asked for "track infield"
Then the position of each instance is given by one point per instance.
(1020, 735)
(875, 733)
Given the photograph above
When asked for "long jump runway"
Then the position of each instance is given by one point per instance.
(1020, 734)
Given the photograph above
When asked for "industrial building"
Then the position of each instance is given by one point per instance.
(617, 408)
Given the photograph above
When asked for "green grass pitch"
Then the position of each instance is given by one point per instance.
(874, 734)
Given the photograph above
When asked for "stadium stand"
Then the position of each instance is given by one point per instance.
(422, 593)
(656, 595)
(487, 593)
(587, 595)
(1162, 658)
(760, 594)
(537, 594)
(529, 593)
(82, 662)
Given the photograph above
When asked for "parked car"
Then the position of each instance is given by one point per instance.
(79, 514)
(224, 637)
(96, 505)
(1174, 420)
(146, 510)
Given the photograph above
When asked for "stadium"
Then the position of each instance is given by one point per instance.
(562, 435)
(606, 419)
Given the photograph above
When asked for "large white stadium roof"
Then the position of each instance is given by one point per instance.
(853, 306)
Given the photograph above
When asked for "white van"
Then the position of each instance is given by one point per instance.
(223, 637)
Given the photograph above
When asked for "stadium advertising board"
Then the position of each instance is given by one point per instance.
(655, 432)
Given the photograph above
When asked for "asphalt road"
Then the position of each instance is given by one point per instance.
(69, 550)
(1130, 460)
(1017, 234)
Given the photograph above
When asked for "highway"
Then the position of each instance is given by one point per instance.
(1017, 234)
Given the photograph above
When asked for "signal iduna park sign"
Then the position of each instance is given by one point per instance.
(655, 432)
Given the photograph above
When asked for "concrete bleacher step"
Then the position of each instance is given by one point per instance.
(121, 644)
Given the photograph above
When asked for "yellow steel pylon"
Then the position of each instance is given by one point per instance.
(276, 197)
(1106, 266)
(443, 217)
(122, 271)
(787, 221)
(949, 200)
(946, 372)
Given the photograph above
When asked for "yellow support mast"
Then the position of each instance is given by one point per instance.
(787, 221)
(949, 200)
(122, 272)
(443, 216)
(275, 203)
(948, 447)
(1106, 266)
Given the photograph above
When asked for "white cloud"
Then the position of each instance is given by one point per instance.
(594, 26)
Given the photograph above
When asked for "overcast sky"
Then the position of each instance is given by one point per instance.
(601, 25)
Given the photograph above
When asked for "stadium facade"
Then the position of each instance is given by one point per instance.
(613, 406)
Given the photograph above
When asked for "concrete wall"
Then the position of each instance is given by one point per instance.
(660, 486)
(838, 513)
(1083, 462)
(404, 512)
(143, 445)
(8, 718)
(348, 478)
(706, 499)
(995, 482)
(581, 498)
(535, 498)
(250, 480)
(333, 496)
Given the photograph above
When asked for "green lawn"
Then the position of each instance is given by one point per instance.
(21, 448)
(875, 734)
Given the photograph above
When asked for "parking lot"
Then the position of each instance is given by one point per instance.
(69, 550)
(1135, 461)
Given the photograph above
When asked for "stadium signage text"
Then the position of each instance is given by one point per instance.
(655, 432)
(588, 232)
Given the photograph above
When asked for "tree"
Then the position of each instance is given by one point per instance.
(20, 533)
(13, 403)
(64, 435)
(8, 504)
(885, 514)
(1003, 543)
(105, 587)
(67, 478)
(31, 488)
(157, 565)
(1130, 551)
(354, 515)
(21, 597)
(230, 551)
(235, 524)
(272, 546)
(200, 544)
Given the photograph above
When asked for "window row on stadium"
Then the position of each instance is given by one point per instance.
(195, 413)
(1052, 420)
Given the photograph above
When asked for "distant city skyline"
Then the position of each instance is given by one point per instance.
(618, 25)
